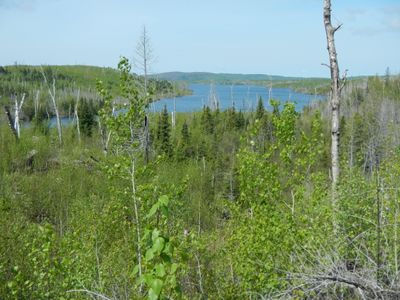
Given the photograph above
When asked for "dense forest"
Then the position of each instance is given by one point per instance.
(213, 204)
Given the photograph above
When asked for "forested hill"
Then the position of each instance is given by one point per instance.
(72, 76)
(303, 84)
(198, 77)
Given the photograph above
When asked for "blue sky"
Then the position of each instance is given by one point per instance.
(280, 37)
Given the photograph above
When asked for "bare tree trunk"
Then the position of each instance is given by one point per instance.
(146, 139)
(37, 104)
(11, 121)
(173, 119)
(378, 229)
(137, 220)
(200, 275)
(53, 99)
(17, 108)
(105, 136)
(144, 52)
(77, 116)
(334, 97)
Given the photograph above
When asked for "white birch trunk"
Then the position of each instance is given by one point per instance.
(53, 100)
(334, 95)
(17, 108)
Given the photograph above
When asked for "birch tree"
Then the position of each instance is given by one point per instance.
(126, 128)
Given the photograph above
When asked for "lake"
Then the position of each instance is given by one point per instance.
(243, 97)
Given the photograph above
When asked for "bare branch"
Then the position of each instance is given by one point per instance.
(90, 293)
(337, 28)
(344, 80)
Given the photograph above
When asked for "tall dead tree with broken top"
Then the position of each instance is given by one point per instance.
(335, 95)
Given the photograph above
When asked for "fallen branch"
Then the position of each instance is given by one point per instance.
(90, 293)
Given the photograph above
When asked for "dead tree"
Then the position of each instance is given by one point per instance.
(11, 121)
(335, 95)
(17, 111)
(144, 57)
(36, 103)
(52, 93)
(76, 115)
(144, 54)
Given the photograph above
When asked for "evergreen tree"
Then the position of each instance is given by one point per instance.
(87, 117)
(164, 133)
(260, 109)
(230, 118)
(207, 121)
(240, 120)
(185, 133)
(184, 148)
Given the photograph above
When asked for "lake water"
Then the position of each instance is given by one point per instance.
(243, 97)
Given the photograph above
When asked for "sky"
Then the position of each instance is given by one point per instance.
(276, 37)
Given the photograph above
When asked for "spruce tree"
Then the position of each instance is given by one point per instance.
(260, 109)
(230, 121)
(207, 121)
(87, 117)
(184, 148)
(185, 133)
(164, 133)
(240, 120)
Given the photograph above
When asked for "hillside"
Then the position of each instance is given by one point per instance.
(199, 77)
(69, 82)
(77, 76)
(301, 84)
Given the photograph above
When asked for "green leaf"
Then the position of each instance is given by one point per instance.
(163, 200)
(152, 295)
(149, 254)
(155, 234)
(168, 249)
(165, 211)
(160, 270)
(135, 270)
(148, 279)
(158, 245)
(174, 267)
(156, 286)
(153, 210)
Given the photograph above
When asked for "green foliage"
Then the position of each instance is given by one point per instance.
(260, 110)
(164, 134)
(239, 201)
(184, 149)
(207, 121)
(160, 275)
(87, 117)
